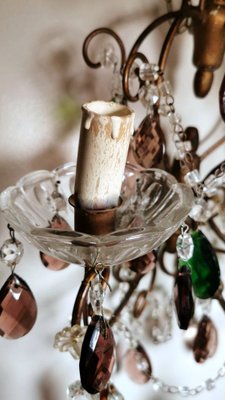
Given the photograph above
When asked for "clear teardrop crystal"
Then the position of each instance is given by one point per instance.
(11, 252)
(185, 246)
(97, 295)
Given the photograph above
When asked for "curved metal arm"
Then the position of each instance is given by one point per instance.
(126, 75)
(168, 42)
(92, 35)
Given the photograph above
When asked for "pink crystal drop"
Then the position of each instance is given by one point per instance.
(97, 355)
(138, 365)
(222, 99)
(18, 309)
(205, 343)
(51, 262)
(149, 142)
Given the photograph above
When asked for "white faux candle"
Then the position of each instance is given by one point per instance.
(105, 133)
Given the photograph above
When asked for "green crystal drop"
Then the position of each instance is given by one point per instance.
(204, 266)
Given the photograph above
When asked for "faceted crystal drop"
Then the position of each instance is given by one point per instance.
(138, 365)
(205, 343)
(51, 262)
(185, 246)
(11, 252)
(149, 142)
(18, 309)
(205, 267)
(222, 98)
(97, 355)
(96, 295)
(183, 297)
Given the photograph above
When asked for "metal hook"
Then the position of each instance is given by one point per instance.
(11, 233)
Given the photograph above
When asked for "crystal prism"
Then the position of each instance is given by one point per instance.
(11, 252)
(97, 355)
(18, 308)
(205, 343)
(185, 246)
(149, 142)
(205, 267)
(138, 365)
(183, 297)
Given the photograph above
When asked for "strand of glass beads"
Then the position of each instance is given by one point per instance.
(159, 91)
(185, 391)
(156, 91)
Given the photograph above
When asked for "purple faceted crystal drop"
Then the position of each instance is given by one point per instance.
(183, 297)
(205, 343)
(222, 99)
(149, 142)
(138, 365)
(97, 355)
(18, 308)
(51, 262)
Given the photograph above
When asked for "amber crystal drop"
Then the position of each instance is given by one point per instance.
(205, 343)
(149, 142)
(222, 99)
(97, 355)
(183, 298)
(18, 308)
(51, 262)
(138, 365)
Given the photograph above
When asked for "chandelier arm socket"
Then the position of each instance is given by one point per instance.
(95, 33)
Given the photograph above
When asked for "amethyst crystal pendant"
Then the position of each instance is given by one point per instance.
(205, 343)
(97, 355)
(183, 297)
(18, 308)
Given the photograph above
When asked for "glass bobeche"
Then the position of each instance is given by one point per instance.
(153, 207)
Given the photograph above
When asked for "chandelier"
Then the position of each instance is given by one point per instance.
(133, 216)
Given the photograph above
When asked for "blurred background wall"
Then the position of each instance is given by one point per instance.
(43, 82)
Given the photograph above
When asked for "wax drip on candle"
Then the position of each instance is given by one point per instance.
(88, 121)
(116, 122)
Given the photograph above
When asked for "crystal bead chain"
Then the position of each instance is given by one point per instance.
(156, 91)
(185, 391)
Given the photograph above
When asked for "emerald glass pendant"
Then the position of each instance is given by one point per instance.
(204, 266)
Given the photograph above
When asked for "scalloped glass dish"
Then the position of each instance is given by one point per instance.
(153, 207)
